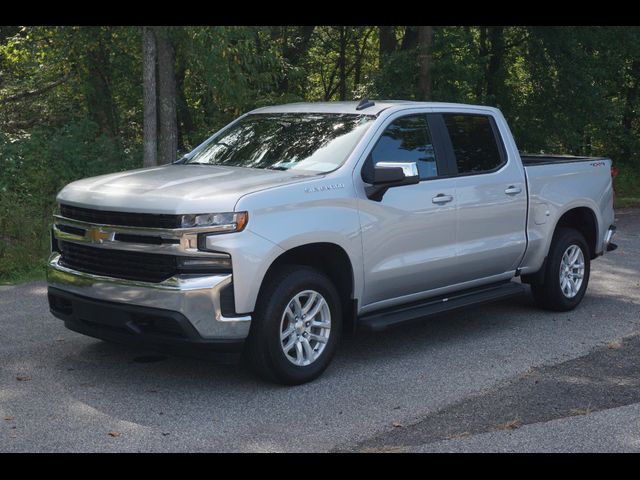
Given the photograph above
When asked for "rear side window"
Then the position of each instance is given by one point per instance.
(474, 143)
(407, 139)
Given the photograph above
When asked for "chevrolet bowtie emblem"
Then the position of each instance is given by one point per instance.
(96, 235)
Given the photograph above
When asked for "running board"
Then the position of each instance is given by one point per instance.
(391, 317)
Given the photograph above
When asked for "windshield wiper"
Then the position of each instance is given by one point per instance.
(277, 167)
(182, 159)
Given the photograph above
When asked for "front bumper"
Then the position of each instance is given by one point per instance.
(195, 299)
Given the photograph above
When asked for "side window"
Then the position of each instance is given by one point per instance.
(407, 139)
(474, 142)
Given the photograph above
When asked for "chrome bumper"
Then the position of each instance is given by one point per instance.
(197, 297)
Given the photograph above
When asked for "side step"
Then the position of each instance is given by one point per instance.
(391, 317)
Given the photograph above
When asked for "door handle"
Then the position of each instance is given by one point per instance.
(442, 198)
(512, 190)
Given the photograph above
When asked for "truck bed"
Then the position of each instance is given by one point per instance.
(532, 159)
(555, 182)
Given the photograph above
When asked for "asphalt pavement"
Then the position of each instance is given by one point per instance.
(501, 377)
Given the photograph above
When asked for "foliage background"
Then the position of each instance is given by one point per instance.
(71, 97)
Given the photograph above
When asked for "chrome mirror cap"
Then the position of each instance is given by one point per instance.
(410, 169)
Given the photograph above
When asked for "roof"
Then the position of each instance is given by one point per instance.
(350, 107)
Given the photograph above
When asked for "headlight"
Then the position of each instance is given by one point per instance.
(219, 222)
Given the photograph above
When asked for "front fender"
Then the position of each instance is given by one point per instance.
(308, 212)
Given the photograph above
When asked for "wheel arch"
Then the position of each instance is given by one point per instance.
(330, 259)
(584, 220)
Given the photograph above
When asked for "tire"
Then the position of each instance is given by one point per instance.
(551, 293)
(275, 313)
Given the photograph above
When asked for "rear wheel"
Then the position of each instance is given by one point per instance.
(566, 273)
(296, 326)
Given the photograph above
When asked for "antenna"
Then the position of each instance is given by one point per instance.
(365, 103)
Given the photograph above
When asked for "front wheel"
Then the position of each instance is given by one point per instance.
(296, 326)
(566, 274)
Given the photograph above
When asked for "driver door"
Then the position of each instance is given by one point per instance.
(409, 236)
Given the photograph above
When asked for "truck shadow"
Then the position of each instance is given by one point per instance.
(145, 389)
(119, 372)
(357, 351)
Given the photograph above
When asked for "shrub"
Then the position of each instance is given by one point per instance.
(33, 168)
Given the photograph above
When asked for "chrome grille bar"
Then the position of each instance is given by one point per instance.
(176, 241)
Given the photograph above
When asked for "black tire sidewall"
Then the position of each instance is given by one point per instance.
(289, 283)
(552, 291)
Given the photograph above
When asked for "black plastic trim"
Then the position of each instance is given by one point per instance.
(395, 316)
(533, 160)
(445, 159)
(130, 265)
(535, 277)
(53, 241)
(129, 219)
(147, 239)
(228, 301)
(72, 230)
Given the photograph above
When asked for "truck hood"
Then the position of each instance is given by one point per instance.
(174, 189)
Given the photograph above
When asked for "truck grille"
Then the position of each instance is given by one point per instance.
(145, 267)
(102, 217)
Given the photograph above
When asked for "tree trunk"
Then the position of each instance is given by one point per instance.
(388, 42)
(98, 94)
(293, 51)
(425, 40)
(357, 73)
(628, 114)
(359, 51)
(185, 120)
(631, 96)
(495, 70)
(482, 54)
(342, 64)
(257, 42)
(357, 66)
(410, 39)
(150, 126)
(167, 97)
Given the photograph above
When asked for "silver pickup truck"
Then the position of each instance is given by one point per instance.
(297, 222)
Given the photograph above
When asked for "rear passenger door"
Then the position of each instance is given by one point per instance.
(491, 198)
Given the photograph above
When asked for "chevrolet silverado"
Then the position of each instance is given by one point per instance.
(295, 223)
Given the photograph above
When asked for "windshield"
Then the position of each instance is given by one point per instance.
(287, 141)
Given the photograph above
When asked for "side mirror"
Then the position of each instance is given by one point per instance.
(395, 174)
(391, 174)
